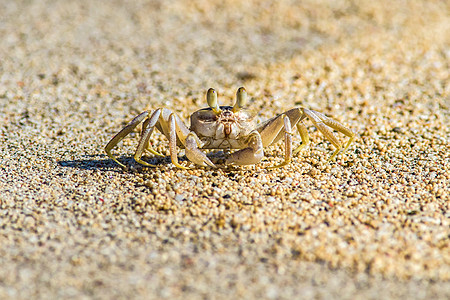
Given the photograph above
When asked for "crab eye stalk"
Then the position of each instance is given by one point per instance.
(241, 99)
(211, 98)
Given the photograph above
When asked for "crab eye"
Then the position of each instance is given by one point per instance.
(241, 99)
(211, 98)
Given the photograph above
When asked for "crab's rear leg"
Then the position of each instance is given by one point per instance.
(304, 135)
(322, 122)
(144, 144)
(123, 133)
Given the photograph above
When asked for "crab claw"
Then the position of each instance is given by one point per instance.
(194, 154)
(199, 158)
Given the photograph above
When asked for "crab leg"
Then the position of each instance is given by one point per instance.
(287, 143)
(271, 131)
(123, 133)
(321, 122)
(250, 155)
(173, 141)
(144, 129)
(171, 126)
(178, 135)
(147, 129)
(304, 135)
(275, 127)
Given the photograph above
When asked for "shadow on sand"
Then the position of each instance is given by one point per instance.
(96, 162)
(108, 164)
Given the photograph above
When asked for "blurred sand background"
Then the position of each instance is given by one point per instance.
(372, 225)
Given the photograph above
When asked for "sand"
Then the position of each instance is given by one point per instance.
(374, 224)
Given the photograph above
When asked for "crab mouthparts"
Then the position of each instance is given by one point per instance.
(227, 119)
(227, 129)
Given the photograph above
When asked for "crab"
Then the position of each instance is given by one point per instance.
(227, 128)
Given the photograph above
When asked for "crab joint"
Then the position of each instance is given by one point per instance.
(241, 99)
(211, 98)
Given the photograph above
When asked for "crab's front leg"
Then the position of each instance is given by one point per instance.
(281, 126)
(287, 143)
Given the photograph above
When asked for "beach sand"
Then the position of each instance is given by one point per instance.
(373, 224)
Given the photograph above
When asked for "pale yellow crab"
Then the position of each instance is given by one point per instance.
(228, 127)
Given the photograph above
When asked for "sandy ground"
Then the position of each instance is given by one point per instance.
(374, 224)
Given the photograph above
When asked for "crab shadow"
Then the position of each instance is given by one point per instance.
(96, 162)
